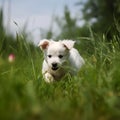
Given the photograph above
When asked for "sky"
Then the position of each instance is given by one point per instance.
(35, 14)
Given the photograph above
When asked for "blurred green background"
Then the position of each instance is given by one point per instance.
(94, 94)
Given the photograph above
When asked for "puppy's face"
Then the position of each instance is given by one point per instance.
(56, 53)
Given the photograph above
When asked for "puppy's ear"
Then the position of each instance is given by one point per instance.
(69, 44)
(43, 44)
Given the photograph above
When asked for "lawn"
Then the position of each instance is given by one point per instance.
(93, 94)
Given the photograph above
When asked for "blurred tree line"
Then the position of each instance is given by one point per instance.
(103, 16)
(100, 16)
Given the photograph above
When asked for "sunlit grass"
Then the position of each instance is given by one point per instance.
(91, 95)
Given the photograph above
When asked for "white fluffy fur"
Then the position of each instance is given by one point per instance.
(59, 58)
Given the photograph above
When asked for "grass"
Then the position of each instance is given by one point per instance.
(93, 94)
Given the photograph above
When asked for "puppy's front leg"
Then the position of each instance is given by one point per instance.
(48, 77)
(46, 74)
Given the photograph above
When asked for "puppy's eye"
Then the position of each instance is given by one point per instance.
(60, 56)
(49, 56)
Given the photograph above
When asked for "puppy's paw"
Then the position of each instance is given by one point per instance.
(48, 77)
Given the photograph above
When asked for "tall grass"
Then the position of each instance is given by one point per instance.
(91, 95)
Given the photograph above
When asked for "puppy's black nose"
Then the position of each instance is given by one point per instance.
(54, 65)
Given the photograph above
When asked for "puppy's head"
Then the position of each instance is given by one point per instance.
(56, 53)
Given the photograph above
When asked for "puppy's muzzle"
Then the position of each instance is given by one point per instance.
(54, 66)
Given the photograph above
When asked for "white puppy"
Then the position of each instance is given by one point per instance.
(59, 58)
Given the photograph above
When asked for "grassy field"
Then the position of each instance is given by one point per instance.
(94, 94)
